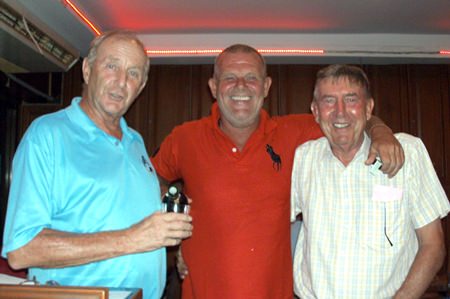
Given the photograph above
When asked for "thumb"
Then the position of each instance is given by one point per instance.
(371, 158)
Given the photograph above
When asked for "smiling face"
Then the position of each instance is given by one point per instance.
(341, 108)
(114, 78)
(240, 86)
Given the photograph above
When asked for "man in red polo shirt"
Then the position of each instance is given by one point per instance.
(236, 166)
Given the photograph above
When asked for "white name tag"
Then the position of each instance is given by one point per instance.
(386, 193)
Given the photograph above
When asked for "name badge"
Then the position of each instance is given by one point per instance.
(386, 193)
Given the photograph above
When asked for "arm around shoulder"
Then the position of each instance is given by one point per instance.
(385, 145)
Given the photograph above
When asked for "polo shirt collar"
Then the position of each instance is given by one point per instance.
(266, 123)
(78, 117)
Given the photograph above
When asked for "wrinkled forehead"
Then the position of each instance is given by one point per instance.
(339, 83)
(240, 60)
(345, 80)
(126, 43)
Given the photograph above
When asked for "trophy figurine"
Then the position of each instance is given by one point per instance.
(175, 201)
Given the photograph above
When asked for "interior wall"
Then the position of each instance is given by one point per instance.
(409, 98)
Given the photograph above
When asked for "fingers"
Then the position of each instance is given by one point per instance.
(161, 230)
(391, 154)
(176, 227)
(394, 163)
(179, 225)
(392, 158)
(181, 265)
(173, 242)
(371, 158)
(182, 272)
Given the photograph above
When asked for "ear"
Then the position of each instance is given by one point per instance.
(267, 84)
(86, 68)
(315, 110)
(213, 87)
(369, 108)
(142, 86)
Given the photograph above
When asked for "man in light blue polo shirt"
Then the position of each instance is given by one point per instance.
(84, 201)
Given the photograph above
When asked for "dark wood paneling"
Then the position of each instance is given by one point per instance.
(201, 98)
(296, 84)
(446, 179)
(446, 125)
(172, 96)
(388, 86)
(72, 84)
(428, 94)
(409, 98)
(271, 103)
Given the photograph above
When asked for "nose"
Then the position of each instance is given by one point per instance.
(340, 107)
(122, 77)
(240, 82)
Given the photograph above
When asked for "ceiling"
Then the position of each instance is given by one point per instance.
(351, 31)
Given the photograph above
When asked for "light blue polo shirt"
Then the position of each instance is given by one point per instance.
(69, 175)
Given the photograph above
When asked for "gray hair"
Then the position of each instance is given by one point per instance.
(120, 34)
(354, 74)
(239, 48)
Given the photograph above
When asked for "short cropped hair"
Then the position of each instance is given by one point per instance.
(354, 74)
(239, 48)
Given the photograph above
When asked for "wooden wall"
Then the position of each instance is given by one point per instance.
(409, 98)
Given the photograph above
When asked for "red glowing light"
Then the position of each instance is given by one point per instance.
(217, 51)
(196, 51)
(292, 51)
(444, 52)
(183, 52)
(83, 17)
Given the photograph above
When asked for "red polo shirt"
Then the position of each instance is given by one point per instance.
(240, 247)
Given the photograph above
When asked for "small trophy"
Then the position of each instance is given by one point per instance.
(175, 201)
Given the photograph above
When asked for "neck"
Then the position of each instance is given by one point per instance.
(239, 136)
(345, 154)
(109, 124)
(345, 158)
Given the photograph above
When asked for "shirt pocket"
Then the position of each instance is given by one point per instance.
(384, 220)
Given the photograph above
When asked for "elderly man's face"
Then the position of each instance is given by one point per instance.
(342, 110)
(116, 77)
(240, 87)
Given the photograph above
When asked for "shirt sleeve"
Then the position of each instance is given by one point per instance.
(29, 208)
(295, 185)
(428, 198)
(308, 128)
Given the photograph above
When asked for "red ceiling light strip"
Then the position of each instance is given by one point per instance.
(292, 51)
(82, 16)
(216, 51)
(193, 52)
(182, 52)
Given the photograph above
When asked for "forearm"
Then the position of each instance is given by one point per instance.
(427, 263)
(375, 123)
(56, 249)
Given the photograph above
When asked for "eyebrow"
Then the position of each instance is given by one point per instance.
(349, 94)
(117, 59)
